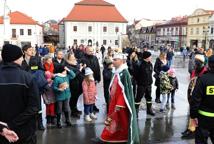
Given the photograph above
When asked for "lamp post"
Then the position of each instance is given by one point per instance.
(205, 38)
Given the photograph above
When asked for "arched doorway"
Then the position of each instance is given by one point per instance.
(194, 43)
(90, 42)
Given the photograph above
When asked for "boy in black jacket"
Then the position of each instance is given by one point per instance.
(107, 75)
(144, 82)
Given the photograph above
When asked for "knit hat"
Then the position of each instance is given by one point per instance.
(165, 68)
(146, 54)
(200, 58)
(171, 72)
(88, 71)
(11, 53)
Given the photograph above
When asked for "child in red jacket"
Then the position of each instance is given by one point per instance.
(89, 94)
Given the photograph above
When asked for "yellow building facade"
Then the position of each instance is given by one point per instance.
(198, 28)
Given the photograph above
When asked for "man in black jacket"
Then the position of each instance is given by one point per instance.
(201, 105)
(58, 61)
(19, 97)
(91, 61)
(144, 82)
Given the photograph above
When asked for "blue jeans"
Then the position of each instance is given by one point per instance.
(169, 63)
(172, 93)
(88, 109)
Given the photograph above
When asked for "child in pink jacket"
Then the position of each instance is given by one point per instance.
(89, 94)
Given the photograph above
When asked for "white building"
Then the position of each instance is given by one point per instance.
(211, 32)
(20, 29)
(92, 22)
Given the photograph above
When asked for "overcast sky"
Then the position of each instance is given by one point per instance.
(42, 10)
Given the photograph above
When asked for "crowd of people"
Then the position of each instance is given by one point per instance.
(28, 75)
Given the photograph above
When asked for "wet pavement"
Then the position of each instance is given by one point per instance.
(163, 128)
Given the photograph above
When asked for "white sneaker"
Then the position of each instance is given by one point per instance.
(93, 116)
(87, 118)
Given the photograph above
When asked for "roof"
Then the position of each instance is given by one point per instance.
(20, 18)
(95, 11)
(174, 21)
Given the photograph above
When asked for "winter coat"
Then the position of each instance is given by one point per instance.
(165, 85)
(174, 82)
(157, 69)
(144, 74)
(39, 77)
(89, 92)
(60, 79)
(92, 62)
(49, 67)
(76, 83)
(34, 61)
(49, 96)
(19, 102)
(107, 75)
(57, 64)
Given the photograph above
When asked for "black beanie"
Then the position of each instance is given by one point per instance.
(11, 53)
(165, 68)
(146, 54)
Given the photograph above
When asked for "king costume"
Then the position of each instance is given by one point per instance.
(121, 123)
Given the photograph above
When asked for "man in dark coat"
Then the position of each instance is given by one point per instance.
(59, 60)
(91, 61)
(19, 103)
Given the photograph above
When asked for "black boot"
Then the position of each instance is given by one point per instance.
(67, 119)
(59, 125)
(53, 120)
(40, 124)
(78, 111)
(96, 109)
(75, 114)
(149, 109)
(48, 121)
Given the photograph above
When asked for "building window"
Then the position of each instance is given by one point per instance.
(75, 41)
(90, 29)
(116, 42)
(191, 31)
(197, 31)
(13, 33)
(167, 29)
(29, 31)
(104, 42)
(104, 29)
(116, 29)
(198, 20)
(75, 28)
(212, 30)
(21, 31)
(82, 41)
